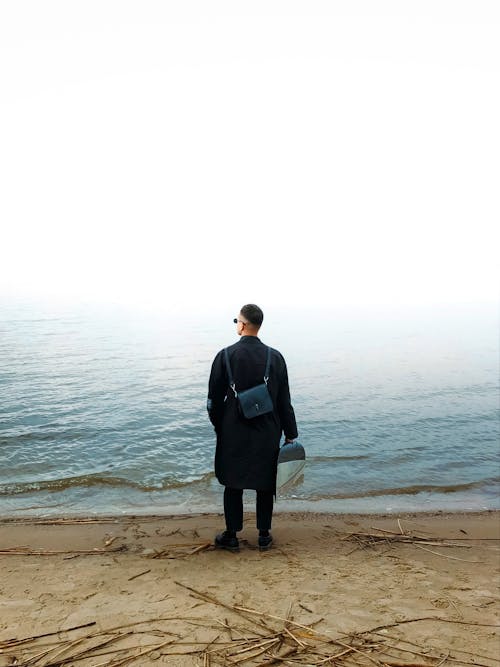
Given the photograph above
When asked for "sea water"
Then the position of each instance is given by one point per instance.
(102, 410)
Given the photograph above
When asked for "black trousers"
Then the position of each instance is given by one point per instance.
(233, 509)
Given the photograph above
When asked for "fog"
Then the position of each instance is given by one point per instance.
(280, 152)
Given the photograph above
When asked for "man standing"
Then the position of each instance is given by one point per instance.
(247, 449)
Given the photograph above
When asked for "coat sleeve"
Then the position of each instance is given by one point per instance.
(217, 387)
(285, 409)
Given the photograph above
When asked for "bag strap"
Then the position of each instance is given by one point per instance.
(268, 365)
(230, 373)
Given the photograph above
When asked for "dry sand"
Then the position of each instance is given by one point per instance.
(321, 573)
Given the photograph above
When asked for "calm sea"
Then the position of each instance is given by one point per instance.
(103, 411)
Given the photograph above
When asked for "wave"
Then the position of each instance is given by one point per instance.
(466, 419)
(98, 480)
(412, 490)
(16, 488)
(36, 436)
(324, 459)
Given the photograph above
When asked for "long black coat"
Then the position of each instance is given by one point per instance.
(247, 449)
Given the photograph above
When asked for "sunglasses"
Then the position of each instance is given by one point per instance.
(236, 320)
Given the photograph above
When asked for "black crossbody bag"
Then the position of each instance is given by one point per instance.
(257, 400)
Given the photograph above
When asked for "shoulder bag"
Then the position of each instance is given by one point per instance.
(257, 400)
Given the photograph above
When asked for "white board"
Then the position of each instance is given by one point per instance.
(291, 462)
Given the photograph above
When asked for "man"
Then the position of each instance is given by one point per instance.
(247, 449)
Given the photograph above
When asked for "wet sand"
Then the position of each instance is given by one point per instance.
(431, 579)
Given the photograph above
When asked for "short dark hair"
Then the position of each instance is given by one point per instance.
(253, 314)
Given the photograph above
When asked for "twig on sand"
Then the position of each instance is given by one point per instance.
(62, 522)
(365, 540)
(436, 553)
(123, 661)
(290, 634)
(278, 658)
(357, 648)
(428, 618)
(85, 653)
(285, 620)
(421, 537)
(229, 629)
(257, 639)
(208, 598)
(138, 575)
(202, 547)
(443, 660)
(369, 539)
(15, 551)
(172, 550)
(16, 642)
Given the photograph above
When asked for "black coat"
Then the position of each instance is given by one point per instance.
(247, 449)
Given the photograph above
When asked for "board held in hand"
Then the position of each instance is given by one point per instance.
(291, 462)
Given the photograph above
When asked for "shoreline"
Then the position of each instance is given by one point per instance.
(285, 513)
(87, 505)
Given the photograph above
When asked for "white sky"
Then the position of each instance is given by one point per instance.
(277, 152)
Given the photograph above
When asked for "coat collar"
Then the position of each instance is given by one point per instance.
(249, 339)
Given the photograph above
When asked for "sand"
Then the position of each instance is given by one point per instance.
(439, 602)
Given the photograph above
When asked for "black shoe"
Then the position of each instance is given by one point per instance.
(265, 542)
(225, 541)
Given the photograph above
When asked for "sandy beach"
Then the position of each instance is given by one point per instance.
(419, 589)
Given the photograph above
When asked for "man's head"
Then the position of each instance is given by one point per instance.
(249, 320)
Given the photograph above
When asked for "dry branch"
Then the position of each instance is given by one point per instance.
(369, 539)
(179, 550)
(138, 575)
(15, 551)
(17, 642)
(436, 553)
